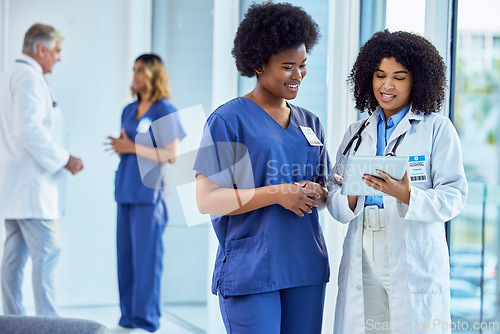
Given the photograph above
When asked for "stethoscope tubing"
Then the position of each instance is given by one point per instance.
(358, 137)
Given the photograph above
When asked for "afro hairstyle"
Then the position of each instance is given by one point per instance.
(269, 28)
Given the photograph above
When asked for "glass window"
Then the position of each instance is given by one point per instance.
(377, 15)
(398, 12)
(475, 234)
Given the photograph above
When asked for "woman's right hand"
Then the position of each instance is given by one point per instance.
(297, 199)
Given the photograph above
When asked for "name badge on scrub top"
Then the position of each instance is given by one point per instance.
(416, 168)
(311, 136)
(144, 124)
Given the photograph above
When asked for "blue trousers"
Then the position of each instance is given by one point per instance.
(288, 311)
(40, 239)
(140, 263)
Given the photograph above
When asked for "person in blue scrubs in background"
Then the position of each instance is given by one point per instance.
(149, 140)
(261, 170)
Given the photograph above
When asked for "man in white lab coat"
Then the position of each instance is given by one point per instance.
(32, 158)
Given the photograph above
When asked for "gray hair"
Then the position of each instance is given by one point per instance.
(40, 34)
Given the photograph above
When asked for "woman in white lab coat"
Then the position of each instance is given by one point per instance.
(394, 272)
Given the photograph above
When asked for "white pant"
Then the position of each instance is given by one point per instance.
(376, 281)
(40, 239)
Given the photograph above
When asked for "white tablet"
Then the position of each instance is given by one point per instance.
(357, 166)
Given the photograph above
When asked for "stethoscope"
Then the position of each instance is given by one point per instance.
(357, 137)
(54, 102)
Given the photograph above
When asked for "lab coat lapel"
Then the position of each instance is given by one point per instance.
(369, 143)
(402, 127)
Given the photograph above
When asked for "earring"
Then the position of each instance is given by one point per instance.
(259, 72)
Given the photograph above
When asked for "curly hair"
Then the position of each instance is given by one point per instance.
(416, 54)
(158, 83)
(269, 28)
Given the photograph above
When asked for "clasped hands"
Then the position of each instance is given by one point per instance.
(300, 197)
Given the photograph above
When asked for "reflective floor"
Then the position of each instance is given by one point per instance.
(176, 319)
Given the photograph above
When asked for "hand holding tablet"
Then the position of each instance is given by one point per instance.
(357, 166)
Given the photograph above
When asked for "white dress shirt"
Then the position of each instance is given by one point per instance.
(31, 152)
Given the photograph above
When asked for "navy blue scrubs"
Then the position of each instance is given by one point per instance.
(142, 215)
(271, 249)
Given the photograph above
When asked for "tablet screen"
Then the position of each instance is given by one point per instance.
(357, 166)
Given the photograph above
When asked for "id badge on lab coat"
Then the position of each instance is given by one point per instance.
(416, 168)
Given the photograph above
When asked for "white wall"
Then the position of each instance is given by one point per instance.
(102, 38)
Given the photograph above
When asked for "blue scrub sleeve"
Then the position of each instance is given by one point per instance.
(166, 129)
(218, 152)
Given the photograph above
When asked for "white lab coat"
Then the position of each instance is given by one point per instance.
(32, 154)
(418, 257)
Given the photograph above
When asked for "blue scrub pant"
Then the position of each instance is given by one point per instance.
(140, 263)
(40, 239)
(288, 311)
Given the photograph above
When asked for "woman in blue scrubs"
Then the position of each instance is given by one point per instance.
(149, 140)
(261, 170)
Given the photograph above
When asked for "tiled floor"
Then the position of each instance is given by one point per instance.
(176, 319)
(193, 316)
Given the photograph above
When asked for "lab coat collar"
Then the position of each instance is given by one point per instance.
(33, 63)
(405, 124)
(371, 128)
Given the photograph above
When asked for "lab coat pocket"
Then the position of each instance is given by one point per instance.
(427, 266)
(344, 264)
(247, 266)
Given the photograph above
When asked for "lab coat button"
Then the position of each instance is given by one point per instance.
(358, 253)
(359, 287)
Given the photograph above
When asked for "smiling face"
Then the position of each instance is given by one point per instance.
(392, 84)
(282, 74)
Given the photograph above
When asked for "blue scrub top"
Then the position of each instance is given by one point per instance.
(270, 248)
(157, 129)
